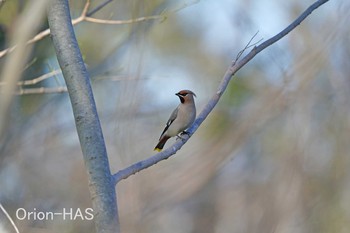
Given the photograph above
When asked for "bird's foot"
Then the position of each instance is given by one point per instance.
(179, 136)
(185, 132)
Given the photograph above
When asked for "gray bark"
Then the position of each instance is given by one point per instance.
(88, 126)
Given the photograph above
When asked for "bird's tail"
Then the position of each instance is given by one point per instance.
(161, 143)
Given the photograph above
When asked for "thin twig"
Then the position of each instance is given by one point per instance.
(99, 7)
(86, 8)
(117, 22)
(9, 218)
(35, 80)
(86, 16)
(40, 78)
(235, 66)
(162, 16)
(42, 90)
(248, 45)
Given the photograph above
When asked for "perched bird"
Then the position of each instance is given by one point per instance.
(181, 118)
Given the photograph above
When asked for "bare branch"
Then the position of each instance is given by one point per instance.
(42, 90)
(39, 90)
(235, 66)
(40, 78)
(85, 16)
(86, 8)
(249, 45)
(116, 22)
(35, 80)
(46, 32)
(27, 23)
(140, 19)
(99, 7)
(9, 218)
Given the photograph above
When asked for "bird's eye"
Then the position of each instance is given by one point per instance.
(184, 94)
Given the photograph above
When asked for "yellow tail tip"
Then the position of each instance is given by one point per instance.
(157, 149)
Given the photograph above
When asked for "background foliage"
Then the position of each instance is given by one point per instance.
(272, 157)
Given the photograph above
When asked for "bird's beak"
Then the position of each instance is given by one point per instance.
(178, 94)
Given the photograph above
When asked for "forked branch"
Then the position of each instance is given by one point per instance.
(234, 67)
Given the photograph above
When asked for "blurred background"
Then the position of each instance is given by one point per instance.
(273, 156)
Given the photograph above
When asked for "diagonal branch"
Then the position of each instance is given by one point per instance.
(99, 7)
(9, 218)
(235, 66)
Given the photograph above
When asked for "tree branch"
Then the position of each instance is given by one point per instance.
(9, 218)
(35, 80)
(88, 126)
(99, 7)
(27, 23)
(118, 22)
(235, 66)
(42, 90)
(86, 16)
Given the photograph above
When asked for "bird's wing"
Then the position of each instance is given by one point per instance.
(170, 121)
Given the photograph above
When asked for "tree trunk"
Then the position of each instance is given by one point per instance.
(88, 126)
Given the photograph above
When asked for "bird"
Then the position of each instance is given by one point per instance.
(181, 118)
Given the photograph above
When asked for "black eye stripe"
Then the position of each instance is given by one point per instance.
(182, 99)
